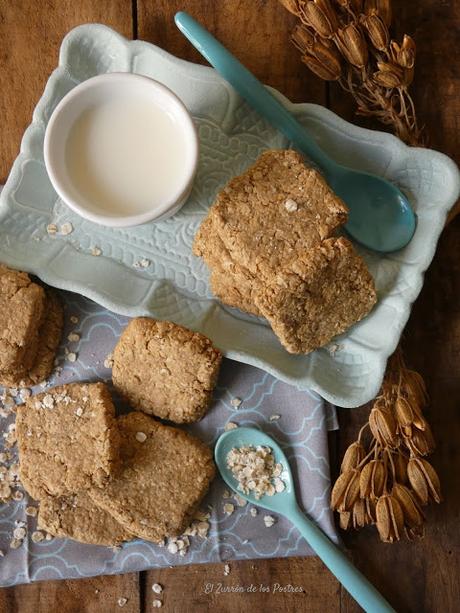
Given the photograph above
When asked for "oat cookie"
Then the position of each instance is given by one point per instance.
(77, 517)
(49, 335)
(165, 474)
(67, 439)
(165, 370)
(22, 309)
(318, 296)
(276, 209)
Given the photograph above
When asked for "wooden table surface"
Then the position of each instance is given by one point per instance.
(419, 577)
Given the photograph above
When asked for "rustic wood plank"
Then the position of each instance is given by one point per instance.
(30, 34)
(93, 595)
(203, 587)
(257, 32)
(423, 576)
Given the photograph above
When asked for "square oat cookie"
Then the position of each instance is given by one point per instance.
(22, 310)
(67, 439)
(165, 370)
(318, 296)
(165, 474)
(276, 209)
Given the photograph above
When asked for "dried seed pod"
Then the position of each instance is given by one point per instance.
(404, 54)
(345, 491)
(413, 515)
(302, 38)
(376, 30)
(344, 520)
(293, 6)
(424, 480)
(319, 15)
(353, 456)
(383, 427)
(370, 507)
(389, 75)
(403, 412)
(389, 518)
(327, 68)
(372, 479)
(414, 388)
(351, 44)
(415, 533)
(422, 443)
(360, 515)
(383, 8)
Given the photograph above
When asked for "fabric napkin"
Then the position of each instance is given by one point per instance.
(298, 420)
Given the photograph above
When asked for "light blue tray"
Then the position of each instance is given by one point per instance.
(175, 285)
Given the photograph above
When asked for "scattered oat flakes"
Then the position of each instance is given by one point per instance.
(229, 508)
(227, 570)
(291, 205)
(66, 228)
(156, 604)
(269, 521)
(72, 356)
(143, 263)
(172, 547)
(51, 228)
(236, 402)
(73, 337)
(230, 426)
(157, 588)
(96, 251)
(253, 511)
(241, 502)
(141, 437)
(108, 362)
(274, 417)
(31, 511)
(122, 602)
(38, 536)
(254, 468)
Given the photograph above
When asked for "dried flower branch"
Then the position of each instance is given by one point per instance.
(349, 41)
(395, 480)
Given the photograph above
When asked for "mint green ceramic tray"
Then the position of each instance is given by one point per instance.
(175, 284)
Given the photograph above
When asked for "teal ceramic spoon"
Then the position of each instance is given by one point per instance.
(381, 217)
(285, 504)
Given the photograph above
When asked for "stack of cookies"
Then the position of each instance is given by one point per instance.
(102, 480)
(31, 321)
(269, 242)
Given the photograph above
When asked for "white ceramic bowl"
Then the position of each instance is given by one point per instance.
(100, 89)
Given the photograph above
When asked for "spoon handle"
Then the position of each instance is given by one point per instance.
(251, 89)
(353, 581)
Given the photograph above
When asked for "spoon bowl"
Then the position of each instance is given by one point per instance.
(285, 504)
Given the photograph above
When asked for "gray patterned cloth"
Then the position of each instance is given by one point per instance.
(301, 430)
